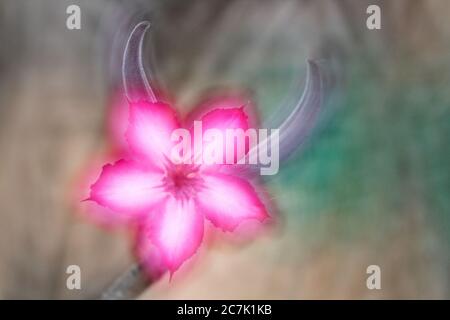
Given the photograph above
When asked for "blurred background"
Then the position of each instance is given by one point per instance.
(371, 185)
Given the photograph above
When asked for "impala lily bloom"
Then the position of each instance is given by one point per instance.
(172, 200)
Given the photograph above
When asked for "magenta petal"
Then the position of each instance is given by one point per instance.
(149, 130)
(223, 120)
(127, 188)
(222, 100)
(228, 200)
(176, 230)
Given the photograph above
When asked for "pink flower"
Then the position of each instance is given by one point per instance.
(171, 201)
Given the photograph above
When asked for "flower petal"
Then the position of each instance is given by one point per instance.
(228, 200)
(176, 230)
(128, 188)
(221, 120)
(149, 130)
(225, 100)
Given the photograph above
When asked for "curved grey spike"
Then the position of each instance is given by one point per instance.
(295, 128)
(134, 79)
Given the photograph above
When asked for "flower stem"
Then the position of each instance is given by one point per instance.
(129, 285)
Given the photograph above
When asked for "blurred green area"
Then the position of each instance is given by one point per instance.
(382, 151)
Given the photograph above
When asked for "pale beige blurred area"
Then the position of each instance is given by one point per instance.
(54, 90)
(288, 267)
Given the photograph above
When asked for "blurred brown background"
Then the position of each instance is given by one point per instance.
(371, 188)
